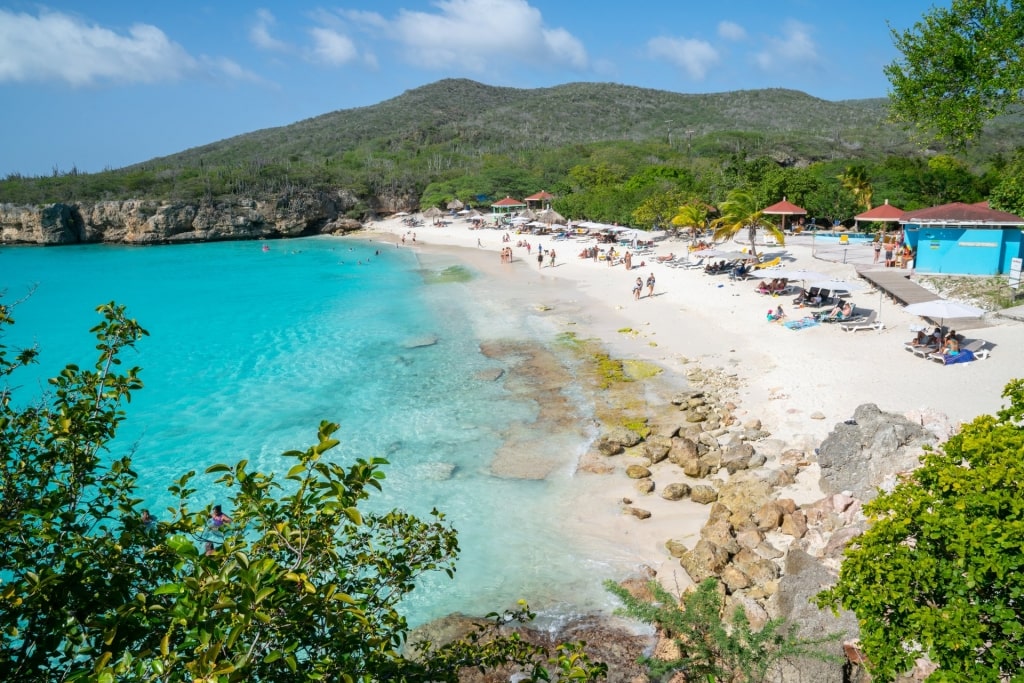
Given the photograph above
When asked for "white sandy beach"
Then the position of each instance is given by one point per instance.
(799, 383)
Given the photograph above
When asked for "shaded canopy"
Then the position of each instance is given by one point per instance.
(455, 204)
(551, 216)
(884, 213)
(433, 212)
(784, 208)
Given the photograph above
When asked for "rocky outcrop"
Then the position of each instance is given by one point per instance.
(162, 222)
(866, 453)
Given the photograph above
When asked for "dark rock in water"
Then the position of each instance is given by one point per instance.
(420, 342)
(489, 375)
(862, 454)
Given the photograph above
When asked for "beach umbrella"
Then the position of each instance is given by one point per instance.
(455, 204)
(797, 274)
(885, 213)
(944, 309)
(837, 285)
(433, 212)
(784, 208)
(551, 216)
(723, 254)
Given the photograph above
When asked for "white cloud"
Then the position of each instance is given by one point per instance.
(331, 47)
(259, 34)
(731, 31)
(61, 47)
(695, 57)
(795, 47)
(476, 34)
(65, 48)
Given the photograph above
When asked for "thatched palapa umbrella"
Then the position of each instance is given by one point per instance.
(455, 205)
(433, 212)
(550, 217)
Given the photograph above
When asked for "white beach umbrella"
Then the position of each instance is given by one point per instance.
(723, 254)
(837, 285)
(797, 274)
(944, 308)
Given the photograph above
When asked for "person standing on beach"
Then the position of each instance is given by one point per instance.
(638, 287)
(540, 258)
(650, 285)
(878, 250)
(551, 258)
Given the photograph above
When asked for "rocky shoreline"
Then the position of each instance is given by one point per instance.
(137, 221)
(771, 553)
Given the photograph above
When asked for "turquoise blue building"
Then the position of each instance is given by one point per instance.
(963, 239)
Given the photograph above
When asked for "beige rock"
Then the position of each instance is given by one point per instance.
(644, 486)
(675, 491)
(768, 517)
(639, 513)
(637, 472)
(703, 494)
(734, 579)
(656, 448)
(756, 567)
(675, 548)
(794, 524)
(749, 537)
(704, 561)
(720, 533)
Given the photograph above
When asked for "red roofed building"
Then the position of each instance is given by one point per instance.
(963, 239)
(507, 205)
(542, 198)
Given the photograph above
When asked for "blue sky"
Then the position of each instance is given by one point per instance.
(101, 84)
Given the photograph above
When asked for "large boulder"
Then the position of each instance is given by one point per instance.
(865, 453)
(704, 561)
(803, 578)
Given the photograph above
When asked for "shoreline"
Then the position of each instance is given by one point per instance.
(798, 383)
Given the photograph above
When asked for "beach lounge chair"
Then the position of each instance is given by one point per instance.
(868, 322)
(768, 264)
(974, 349)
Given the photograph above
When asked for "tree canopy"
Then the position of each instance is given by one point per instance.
(940, 570)
(960, 67)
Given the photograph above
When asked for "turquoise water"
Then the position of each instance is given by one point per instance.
(250, 350)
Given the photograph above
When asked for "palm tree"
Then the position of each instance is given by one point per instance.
(856, 180)
(738, 211)
(693, 215)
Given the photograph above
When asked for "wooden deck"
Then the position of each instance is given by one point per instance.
(896, 284)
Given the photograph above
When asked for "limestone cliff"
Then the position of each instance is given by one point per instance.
(162, 222)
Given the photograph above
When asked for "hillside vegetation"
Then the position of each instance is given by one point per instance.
(459, 138)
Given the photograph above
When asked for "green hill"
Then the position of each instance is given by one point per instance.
(459, 128)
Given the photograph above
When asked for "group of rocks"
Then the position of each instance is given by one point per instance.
(770, 554)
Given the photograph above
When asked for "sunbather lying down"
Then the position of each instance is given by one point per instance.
(839, 312)
(662, 259)
(777, 285)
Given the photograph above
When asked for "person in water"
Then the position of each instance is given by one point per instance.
(218, 518)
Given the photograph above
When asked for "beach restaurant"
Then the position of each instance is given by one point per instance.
(507, 205)
(963, 239)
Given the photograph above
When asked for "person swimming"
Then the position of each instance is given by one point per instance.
(218, 518)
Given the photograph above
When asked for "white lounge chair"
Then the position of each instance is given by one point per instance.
(868, 322)
(979, 347)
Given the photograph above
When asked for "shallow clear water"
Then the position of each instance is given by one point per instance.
(250, 350)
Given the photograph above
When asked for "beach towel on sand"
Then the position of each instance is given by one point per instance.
(801, 323)
(959, 357)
